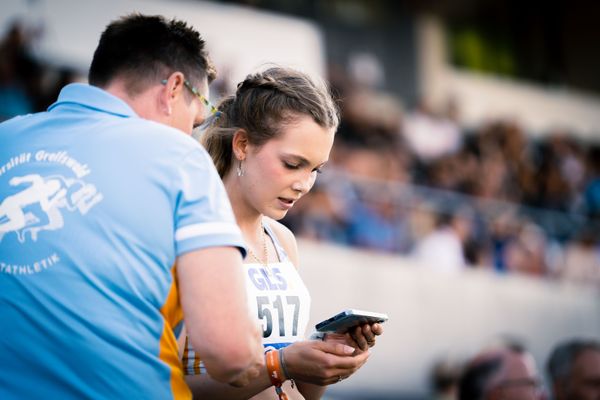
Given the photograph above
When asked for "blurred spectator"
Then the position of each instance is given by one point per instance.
(20, 74)
(444, 380)
(554, 187)
(376, 222)
(508, 372)
(494, 177)
(27, 85)
(526, 252)
(504, 228)
(431, 136)
(443, 249)
(320, 217)
(574, 370)
(371, 119)
(582, 259)
(570, 159)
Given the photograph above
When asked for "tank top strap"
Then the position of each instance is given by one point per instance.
(281, 254)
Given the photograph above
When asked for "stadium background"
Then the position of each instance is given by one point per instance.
(463, 194)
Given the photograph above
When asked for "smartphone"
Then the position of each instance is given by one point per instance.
(344, 321)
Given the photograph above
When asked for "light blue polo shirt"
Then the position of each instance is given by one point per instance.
(95, 206)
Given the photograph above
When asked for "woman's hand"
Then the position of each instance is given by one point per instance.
(364, 335)
(322, 362)
(361, 337)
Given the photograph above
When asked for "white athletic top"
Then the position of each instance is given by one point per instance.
(277, 297)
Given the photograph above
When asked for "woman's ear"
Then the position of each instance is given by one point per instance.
(240, 144)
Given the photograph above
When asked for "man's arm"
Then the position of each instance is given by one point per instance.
(213, 298)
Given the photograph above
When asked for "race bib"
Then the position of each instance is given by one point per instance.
(279, 300)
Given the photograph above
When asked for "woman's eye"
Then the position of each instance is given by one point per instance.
(318, 170)
(290, 166)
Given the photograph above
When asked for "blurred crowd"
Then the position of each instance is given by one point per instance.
(417, 182)
(27, 84)
(508, 371)
(414, 181)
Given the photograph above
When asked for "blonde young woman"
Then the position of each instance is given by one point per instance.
(269, 144)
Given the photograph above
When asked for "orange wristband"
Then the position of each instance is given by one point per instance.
(274, 368)
(275, 373)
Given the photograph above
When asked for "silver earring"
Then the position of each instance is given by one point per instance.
(240, 171)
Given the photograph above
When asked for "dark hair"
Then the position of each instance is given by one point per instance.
(474, 382)
(564, 354)
(444, 376)
(145, 49)
(262, 104)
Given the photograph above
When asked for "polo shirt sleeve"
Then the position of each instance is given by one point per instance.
(203, 215)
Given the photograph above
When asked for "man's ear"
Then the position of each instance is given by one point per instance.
(173, 87)
(240, 144)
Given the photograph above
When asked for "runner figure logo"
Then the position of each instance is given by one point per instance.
(39, 205)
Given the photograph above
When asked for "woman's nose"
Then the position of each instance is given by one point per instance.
(302, 185)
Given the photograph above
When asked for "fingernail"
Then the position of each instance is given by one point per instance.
(348, 349)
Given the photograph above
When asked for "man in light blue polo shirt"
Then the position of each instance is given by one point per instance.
(114, 226)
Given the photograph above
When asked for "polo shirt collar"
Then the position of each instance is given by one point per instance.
(94, 98)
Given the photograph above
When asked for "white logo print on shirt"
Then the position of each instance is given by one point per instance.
(33, 203)
(38, 205)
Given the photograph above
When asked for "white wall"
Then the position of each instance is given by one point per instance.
(240, 38)
(434, 315)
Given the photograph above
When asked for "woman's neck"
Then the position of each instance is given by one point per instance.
(247, 217)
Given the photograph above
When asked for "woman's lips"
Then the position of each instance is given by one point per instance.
(286, 203)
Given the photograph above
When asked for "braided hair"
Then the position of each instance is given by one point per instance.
(262, 104)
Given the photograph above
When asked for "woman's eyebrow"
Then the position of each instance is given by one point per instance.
(298, 158)
(301, 160)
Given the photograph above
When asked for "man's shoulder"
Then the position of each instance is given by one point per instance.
(19, 120)
(146, 132)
